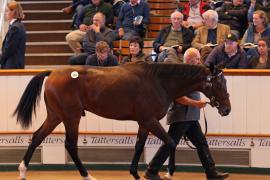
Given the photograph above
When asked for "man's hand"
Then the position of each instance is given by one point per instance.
(83, 27)
(252, 3)
(161, 48)
(200, 104)
(180, 49)
(96, 28)
(121, 32)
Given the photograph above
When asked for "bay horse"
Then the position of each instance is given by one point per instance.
(136, 91)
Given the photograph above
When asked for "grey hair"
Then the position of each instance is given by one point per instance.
(211, 14)
(177, 12)
(191, 52)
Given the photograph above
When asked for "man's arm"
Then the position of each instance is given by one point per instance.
(191, 102)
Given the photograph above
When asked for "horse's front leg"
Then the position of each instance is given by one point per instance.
(141, 139)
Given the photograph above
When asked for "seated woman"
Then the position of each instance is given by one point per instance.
(260, 28)
(136, 51)
(263, 60)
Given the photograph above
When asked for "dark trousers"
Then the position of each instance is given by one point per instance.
(193, 131)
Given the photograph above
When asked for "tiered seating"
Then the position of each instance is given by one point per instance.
(163, 7)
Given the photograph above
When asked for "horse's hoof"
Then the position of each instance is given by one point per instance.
(89, 178)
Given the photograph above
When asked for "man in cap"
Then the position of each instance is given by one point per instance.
(228, 55)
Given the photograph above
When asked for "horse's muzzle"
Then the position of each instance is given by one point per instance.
(224, 111)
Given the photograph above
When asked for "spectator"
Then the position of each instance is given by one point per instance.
(192, 12)
(132, 19)
(183, 117)
(211, 34)
(102, 57)
(262, 61)
(13, 47)
(173, 40)
(255, 5)
(75, 37)
(136, 51)
(234, 14)
(258, 29)
(77, 5)
(228, 55)
(98, 32)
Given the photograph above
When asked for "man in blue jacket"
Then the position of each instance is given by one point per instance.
(132, 19)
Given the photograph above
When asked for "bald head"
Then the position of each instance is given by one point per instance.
(176, 19)
(192, 56)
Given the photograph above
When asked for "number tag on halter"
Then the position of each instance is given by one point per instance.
(74, 74)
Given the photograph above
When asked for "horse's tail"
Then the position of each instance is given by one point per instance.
(30, 99)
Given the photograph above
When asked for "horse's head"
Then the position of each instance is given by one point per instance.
(216, 90)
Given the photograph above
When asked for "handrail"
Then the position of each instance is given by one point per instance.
(2, 18)
(230, 72)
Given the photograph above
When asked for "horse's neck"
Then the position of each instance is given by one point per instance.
(177, 87)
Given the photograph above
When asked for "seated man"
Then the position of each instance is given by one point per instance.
(75, 38)
(235, 15)
(132, 18)
(183, 117)
(192, 12)
(228, 55)
(173, 40)
(98, 32)
(211, 34)
(102, 57)
(77, 5)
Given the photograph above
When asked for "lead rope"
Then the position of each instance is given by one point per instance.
(205, 132)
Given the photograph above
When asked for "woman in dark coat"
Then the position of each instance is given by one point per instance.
(136, 51)
(263, 60)
(13, 47)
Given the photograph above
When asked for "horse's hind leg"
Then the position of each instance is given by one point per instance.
(46, 128)
(155, 128)
(72, 127)
(141, 139)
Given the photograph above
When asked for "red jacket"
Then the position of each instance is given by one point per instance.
(203, 7)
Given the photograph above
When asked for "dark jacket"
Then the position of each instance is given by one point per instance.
(234, 16)
(93, 60)
(140, 57)
(91, 38)
(79, 2)
(13, 47)
(128, 13)
(254, 60)
(163, 34)
(86, 16)
(218, 56)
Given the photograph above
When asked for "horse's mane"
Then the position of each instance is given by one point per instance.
(183, 71)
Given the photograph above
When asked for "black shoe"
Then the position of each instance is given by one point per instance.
(216, 175)
(150, 176)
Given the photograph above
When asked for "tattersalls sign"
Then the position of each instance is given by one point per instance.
(130, 140)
